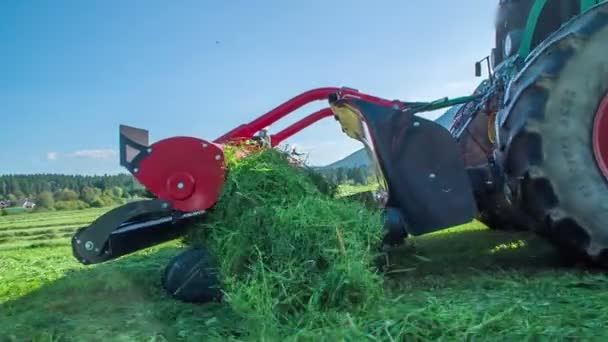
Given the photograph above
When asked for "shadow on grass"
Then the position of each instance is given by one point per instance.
(119, 300)
(472, 249)
(123, 299)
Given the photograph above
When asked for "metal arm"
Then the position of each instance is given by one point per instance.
(279, 137)
(246, 131)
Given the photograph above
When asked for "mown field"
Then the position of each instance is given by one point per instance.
(43, 229)
(464, 284)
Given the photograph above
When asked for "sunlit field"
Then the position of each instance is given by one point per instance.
(466, 283)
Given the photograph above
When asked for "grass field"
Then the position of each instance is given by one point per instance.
(464, 284)
(44, 228)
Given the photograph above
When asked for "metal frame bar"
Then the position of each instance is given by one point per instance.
(246, 131)
(279, 137)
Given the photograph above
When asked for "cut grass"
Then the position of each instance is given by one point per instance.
(348, 189)
(49, 223)
(463, 284)
(52, 215)
(44, 229)
(286, 249)
(17, 233)
(25, 244)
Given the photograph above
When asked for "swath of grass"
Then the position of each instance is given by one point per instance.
(49, 296)
(286, 249)
(24, 244)
(348, 189)
(289, 257)
(519, 295)
(19, 233)
(43, 224)
(463, 284)
(458, 295)
(59, 216)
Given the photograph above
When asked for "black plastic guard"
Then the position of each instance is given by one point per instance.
(133, 147)
(129, 228)
(423, 168)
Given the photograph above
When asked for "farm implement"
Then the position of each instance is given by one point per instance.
(528, 149)
(186, 174)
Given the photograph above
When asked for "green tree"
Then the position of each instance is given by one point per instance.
(45, 200)
(14, 187)
(19, 194)
(30, 186)
(116, 192)
(341, 175)
(108, 200)
(360, 176)
(71, 205)
(66, 195)
(90, 194)
(97, 203)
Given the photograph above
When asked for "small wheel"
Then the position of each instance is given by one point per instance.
(191, 276)
(394, 228)
(395, 234)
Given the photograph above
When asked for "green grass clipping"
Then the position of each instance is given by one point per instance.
(286, 247)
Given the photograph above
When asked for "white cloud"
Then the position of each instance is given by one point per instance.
(94, 154)
(51, 156)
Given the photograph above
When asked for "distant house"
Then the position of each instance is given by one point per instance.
(26, 204)
(4, 204)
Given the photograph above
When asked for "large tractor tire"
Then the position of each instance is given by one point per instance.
(553, 136)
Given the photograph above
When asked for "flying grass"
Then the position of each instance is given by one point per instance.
(286, 247)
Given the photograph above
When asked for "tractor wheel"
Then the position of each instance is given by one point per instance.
(553, 136)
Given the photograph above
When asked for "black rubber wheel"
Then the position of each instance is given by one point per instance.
(395, 231)
(546, 141)
(192, 277)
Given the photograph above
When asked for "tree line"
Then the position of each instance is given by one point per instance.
(68, 192)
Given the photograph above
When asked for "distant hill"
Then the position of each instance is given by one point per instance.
(356, 159)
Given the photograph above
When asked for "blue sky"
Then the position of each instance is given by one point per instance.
(72, 71)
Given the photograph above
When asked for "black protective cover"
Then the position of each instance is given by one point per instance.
(423, 167)
(129, 228)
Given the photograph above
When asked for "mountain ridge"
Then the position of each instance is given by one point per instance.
(356, 159)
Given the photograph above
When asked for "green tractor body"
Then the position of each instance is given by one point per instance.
(521, 25)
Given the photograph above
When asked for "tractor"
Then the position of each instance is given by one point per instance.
(526, 150)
